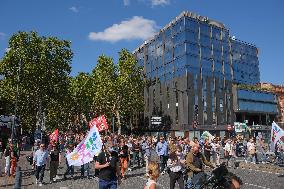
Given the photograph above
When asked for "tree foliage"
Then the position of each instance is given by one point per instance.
(40, 67)
(119, 88)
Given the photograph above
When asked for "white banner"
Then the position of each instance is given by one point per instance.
(86, 149)
(277, 135)
(207, 135)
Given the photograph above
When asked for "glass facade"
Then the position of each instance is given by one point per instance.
(245, 63)
(256, 101)
(200, 59)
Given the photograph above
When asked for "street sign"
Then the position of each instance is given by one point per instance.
(156, 120)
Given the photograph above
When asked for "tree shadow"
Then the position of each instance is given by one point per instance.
(134, 175)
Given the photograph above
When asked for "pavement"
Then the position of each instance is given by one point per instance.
(254, 176)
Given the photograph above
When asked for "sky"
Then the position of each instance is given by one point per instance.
(97, 27)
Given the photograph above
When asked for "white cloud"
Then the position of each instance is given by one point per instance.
(74, 9)
(2, 35)
(126, 2)
(135, 28)
(160, 2)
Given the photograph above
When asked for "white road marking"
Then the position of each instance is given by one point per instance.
(256, 186)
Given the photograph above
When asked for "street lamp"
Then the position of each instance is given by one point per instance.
(16, 103)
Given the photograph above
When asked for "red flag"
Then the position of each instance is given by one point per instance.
(54, 136)
(100, 123)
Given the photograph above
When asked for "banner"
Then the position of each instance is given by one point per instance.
(54, 136)
(100, 123)
(86, 149)
(277, 135)
(207, 135)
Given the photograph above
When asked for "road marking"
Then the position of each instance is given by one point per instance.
(262, 171)
(256, 186)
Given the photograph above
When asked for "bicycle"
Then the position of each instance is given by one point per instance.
(220, 178)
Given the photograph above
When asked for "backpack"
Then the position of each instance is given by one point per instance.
(154, 156)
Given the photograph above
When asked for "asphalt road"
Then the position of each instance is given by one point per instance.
(252, 177)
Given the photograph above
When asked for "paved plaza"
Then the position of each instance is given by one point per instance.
(253, 176)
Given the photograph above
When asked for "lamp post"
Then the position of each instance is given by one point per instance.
(16, 103)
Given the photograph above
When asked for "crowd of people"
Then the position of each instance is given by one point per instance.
(179, 157)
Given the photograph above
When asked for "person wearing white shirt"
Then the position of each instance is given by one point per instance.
(251, 147)
(229, 151)
(40, 160)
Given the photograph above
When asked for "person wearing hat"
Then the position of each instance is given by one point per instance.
(54, 162)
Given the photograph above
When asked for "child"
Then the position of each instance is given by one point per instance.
(13, 164)
(153, 171)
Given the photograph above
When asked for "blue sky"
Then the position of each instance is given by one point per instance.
(98, 27)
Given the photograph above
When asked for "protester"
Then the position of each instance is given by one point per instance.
(54, 162)
(194, 162)
(123, 157)
(85, 168)
(13, 164)
(162, 151)
(207, 149)
(136, 152)
(7, 154)
(130, 148)
(153, 172)
(216, 151)
(251, 151)
(108, 164)
(228, 151)
(147, 147)
(176, 164)
(70, 168)
(40, 160)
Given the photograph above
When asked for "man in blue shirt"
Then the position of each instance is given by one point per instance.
(40, 159)
(162, 151)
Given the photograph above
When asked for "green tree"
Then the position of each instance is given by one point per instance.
(130, 88)
(43, 67)
(119, 88)
(104, 76)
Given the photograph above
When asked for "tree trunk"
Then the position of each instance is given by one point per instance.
(130, 123)
(118, 121)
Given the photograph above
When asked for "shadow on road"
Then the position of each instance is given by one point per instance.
(135, 175)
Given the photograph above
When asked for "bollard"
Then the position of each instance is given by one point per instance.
(18, 178)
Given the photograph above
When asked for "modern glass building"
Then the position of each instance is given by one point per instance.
(259, 108)
(190, 67)
(245, 63)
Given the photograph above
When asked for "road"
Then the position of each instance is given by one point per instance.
(255, 176)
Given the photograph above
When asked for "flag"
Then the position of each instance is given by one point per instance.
(100, 123)
(207, 135)
(54, 136)
(86, 149)
(277, 135)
